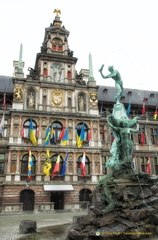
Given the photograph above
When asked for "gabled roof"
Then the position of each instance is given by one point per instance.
(6, 84)
(106, 93)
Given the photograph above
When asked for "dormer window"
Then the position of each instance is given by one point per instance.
(129, 93)
(105, 90)
(122, 98)
(152, 95)
(57, 44)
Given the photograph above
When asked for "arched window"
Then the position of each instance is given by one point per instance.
(87, 164)
(45, 72)
(26, 127)
(84, 195)
(57, 126)
(79, 127)
(54, 159)
(24, 166)
(57, 44)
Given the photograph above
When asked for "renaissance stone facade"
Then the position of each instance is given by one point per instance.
(54, 94)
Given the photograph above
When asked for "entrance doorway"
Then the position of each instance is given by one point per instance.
(58, 199)
(27, 198)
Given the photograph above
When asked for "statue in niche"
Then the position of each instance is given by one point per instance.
(31, 100)
(81, 103)
(57, 72)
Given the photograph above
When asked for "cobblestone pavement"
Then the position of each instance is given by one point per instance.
(9, 224)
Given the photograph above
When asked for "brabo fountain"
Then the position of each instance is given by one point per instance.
(124, 203)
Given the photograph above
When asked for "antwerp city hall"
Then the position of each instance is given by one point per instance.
(54, 138)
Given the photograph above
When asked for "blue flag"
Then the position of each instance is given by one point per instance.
(48, 135)
(64, 165)
(128, 109)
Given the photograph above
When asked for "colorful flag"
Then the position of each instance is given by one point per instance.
(30, 164)
(4, 101)
(80, 138)
(155, 115)
(142, 139)
(90, 134)
(52, 137)
(62, 134)
(22, 132)
(37, 131)
(47, 164)
(148, 166)
(143, 107)
(2, 126)
(83, 165)
(64, 165)
(128, 109)
(47, 137)
(32, 133)
(57, 166)
(65, 138)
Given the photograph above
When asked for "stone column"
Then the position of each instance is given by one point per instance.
(8, 173)
(75, 176)
(17, 174)
(38, 167)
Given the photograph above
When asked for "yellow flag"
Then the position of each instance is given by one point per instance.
(47, 164)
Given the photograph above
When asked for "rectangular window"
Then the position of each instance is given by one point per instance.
(60, 48)
(144, 163)
(54, 47)
(1, 167)
(69, 103)
(156, 165)
(45, 72)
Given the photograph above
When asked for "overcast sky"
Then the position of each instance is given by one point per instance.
(122, 33)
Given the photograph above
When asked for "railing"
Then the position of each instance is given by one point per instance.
(12, 207)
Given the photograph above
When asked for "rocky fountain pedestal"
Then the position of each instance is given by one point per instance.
(124, 203)
(123, 208)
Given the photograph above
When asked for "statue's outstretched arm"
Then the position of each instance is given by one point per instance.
(135, 130)
(110, 124)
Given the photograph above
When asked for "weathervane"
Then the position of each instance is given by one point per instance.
(57, 11)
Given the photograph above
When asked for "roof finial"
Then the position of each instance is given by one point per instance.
(91, 78)
(20, 64)
(57, 11)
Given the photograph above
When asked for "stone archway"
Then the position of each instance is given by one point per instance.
(27, 197)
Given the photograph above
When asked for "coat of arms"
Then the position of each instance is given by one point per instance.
(57, 97)
(93, 96)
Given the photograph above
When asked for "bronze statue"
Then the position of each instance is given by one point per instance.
(118, 81)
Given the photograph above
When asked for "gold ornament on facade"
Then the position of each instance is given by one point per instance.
(93, 96)
(57, 97)
(18, 94)
(57, 11)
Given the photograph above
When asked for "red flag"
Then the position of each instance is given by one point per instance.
(142, 139)
(62, 133)
(83, 165)
(4, 101)
(148, 166)
(90, 134)
(57, 166)
(37, 131)
(22, 132)
(143, 107)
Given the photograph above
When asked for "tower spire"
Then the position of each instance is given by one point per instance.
(91, 78)
(20, 65)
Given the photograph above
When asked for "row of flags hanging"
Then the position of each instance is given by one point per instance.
(50, 135)
(48, 165)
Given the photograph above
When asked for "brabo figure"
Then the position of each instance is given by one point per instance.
(118, 81)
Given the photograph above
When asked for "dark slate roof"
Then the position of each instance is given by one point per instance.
(106, 93)
(6, 84)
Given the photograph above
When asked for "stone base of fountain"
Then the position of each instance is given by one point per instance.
(121, 208)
